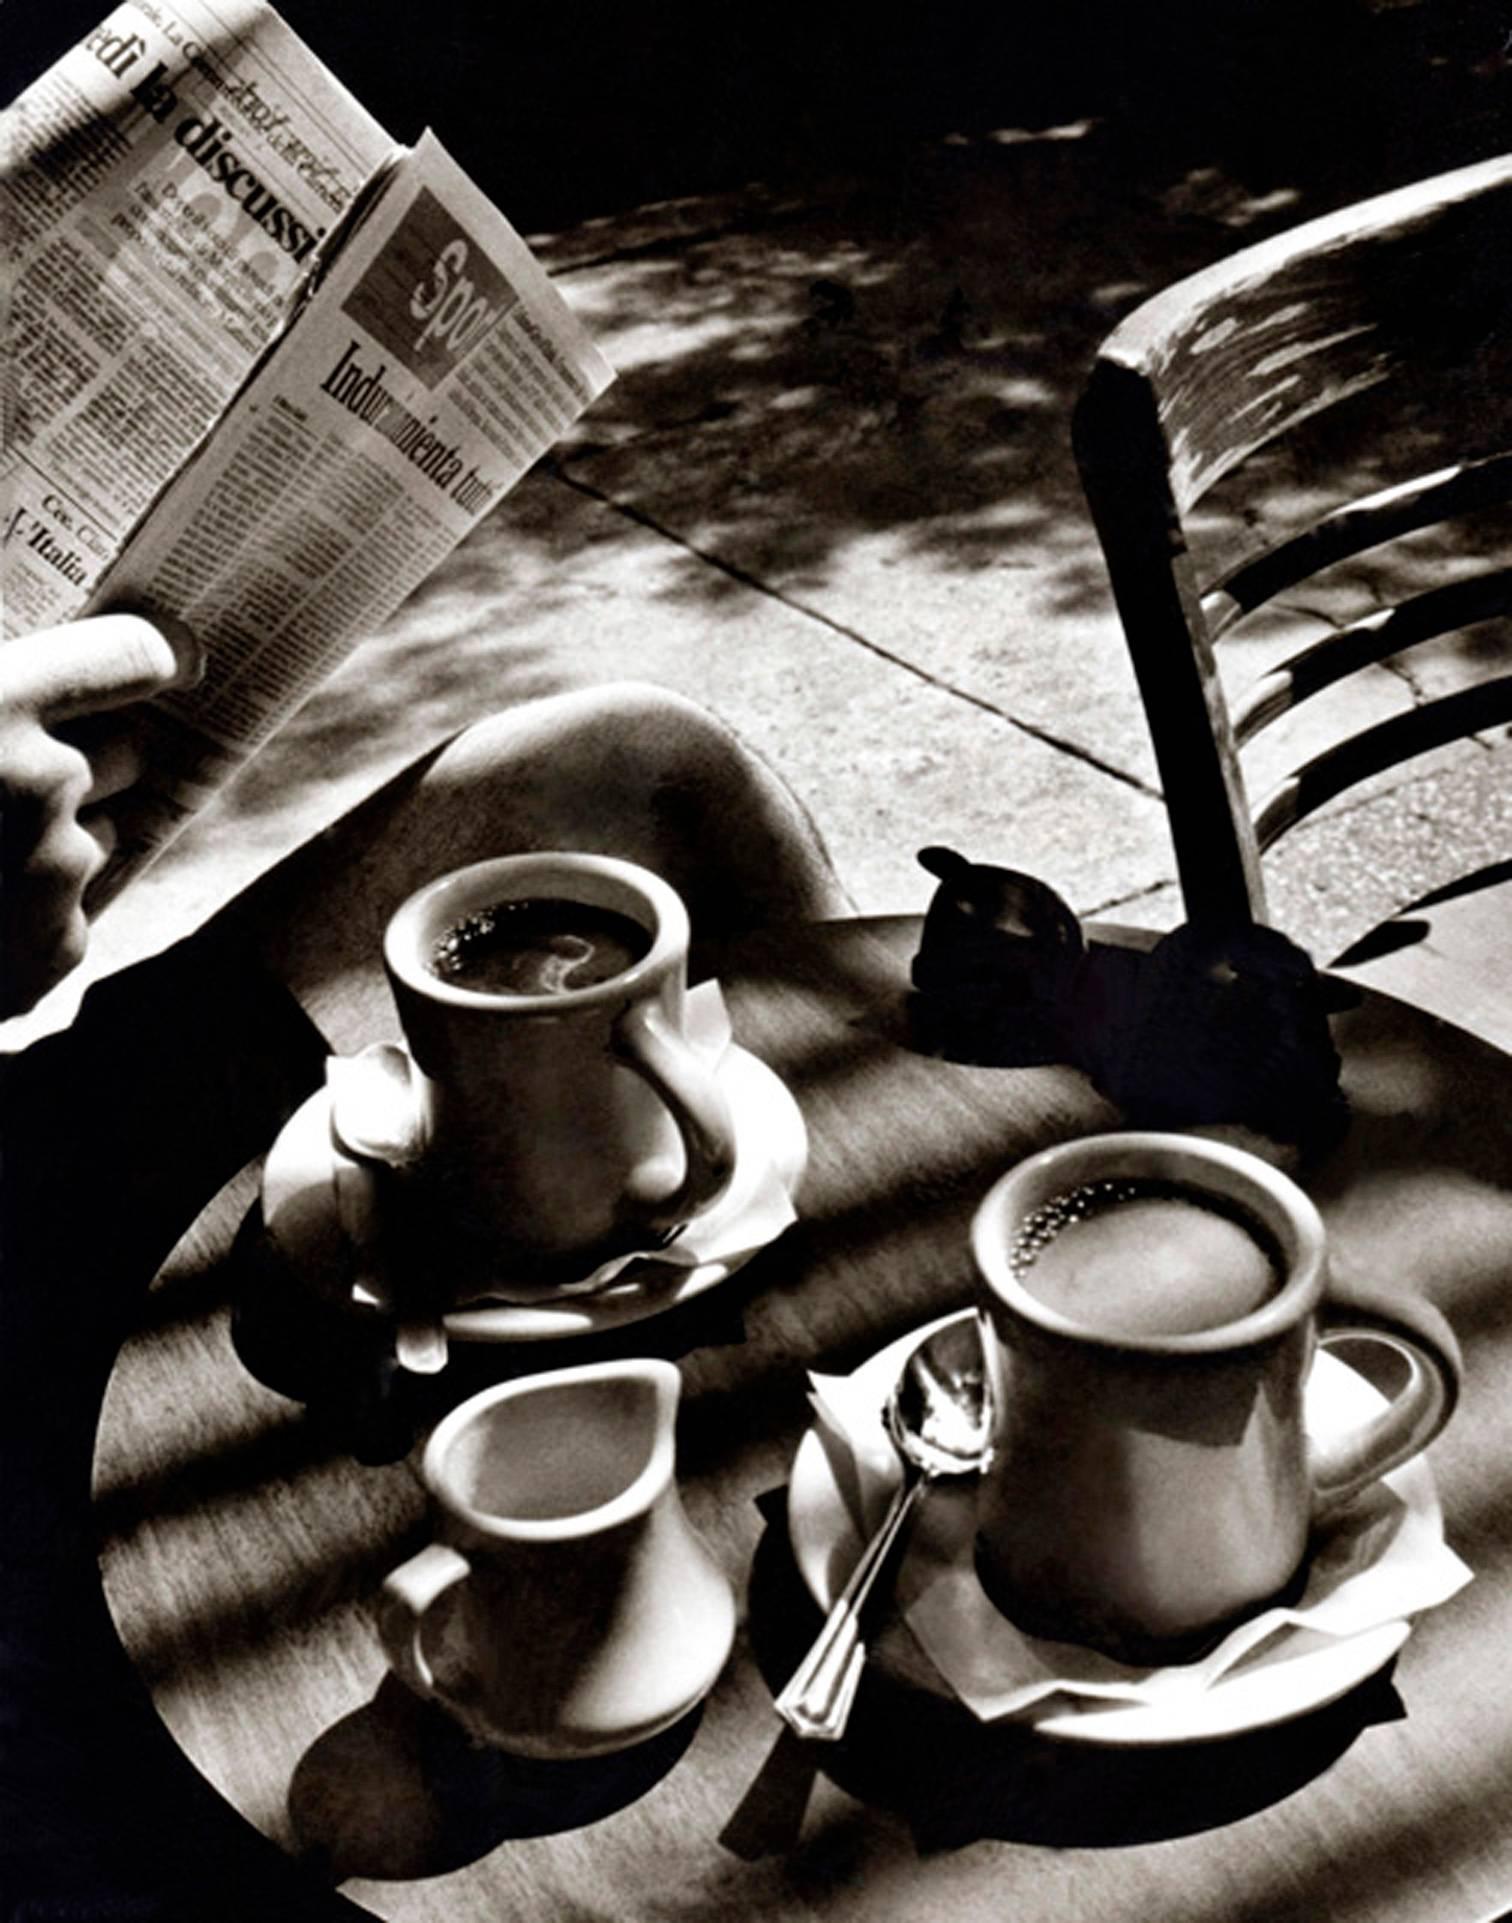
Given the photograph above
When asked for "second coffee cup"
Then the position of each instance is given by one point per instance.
(1155, 1301)
(563, 1115)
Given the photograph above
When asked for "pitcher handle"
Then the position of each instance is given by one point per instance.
(1418, 1333)
(408, 1592)
(647, 1043)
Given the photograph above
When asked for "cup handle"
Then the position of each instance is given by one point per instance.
(646, 1042)
(1417, 1332)
(407, 1594)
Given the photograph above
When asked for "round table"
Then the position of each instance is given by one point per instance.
(244, 1533)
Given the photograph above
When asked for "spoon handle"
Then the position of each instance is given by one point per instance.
(817, 1701)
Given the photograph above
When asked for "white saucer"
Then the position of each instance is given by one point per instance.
(300, 1218)
(1301, 1670)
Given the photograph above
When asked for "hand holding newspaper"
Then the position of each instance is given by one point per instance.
(263, 369)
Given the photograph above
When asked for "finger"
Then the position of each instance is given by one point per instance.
(100, 825)
(61, 867)
(46, 933)
(87, 666)
(115, 763)
(108, 830)
(43, 781)
(113, 748)
(188, 649)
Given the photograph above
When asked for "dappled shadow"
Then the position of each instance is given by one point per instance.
(896, 358)
(850, 388)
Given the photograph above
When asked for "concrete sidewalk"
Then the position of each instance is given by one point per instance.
(832, 496)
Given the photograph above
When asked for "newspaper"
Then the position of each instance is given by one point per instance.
(263, 368)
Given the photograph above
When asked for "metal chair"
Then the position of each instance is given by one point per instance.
(1398, 308)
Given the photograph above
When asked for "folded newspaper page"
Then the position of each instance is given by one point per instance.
(263, 369)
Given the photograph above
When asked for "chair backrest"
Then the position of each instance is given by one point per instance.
(1412, 289)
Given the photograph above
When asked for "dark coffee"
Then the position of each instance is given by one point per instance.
(538, 946)
(1136, 1257)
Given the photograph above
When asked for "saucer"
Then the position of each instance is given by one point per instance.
(1297, 1670)
(299, 1215)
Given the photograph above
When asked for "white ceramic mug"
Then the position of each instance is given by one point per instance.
(1151, 1487)
(558, 1129)
(566, 1607)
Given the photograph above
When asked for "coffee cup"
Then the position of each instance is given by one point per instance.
(1154, 1304)
(561, 1114)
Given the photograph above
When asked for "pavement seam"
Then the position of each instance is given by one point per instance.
(1399, 664)
(1131, 898)
(1045, 736)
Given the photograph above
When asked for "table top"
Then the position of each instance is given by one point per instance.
(244, 1534)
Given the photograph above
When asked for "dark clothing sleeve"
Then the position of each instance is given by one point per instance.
(114, 1135)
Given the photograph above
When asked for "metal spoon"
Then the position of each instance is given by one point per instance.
(939, 1416)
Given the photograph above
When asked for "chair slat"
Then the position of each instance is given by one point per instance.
(1251, 347)
(1353, 529)
(1411, 290)
(1401, 738)
(1388, 631)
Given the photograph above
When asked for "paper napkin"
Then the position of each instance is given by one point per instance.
(1381, 1558)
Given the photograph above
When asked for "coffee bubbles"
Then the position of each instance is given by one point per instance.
(538, 946)
(1136, 1256)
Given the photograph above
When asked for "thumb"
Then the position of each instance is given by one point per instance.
(105, 661)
